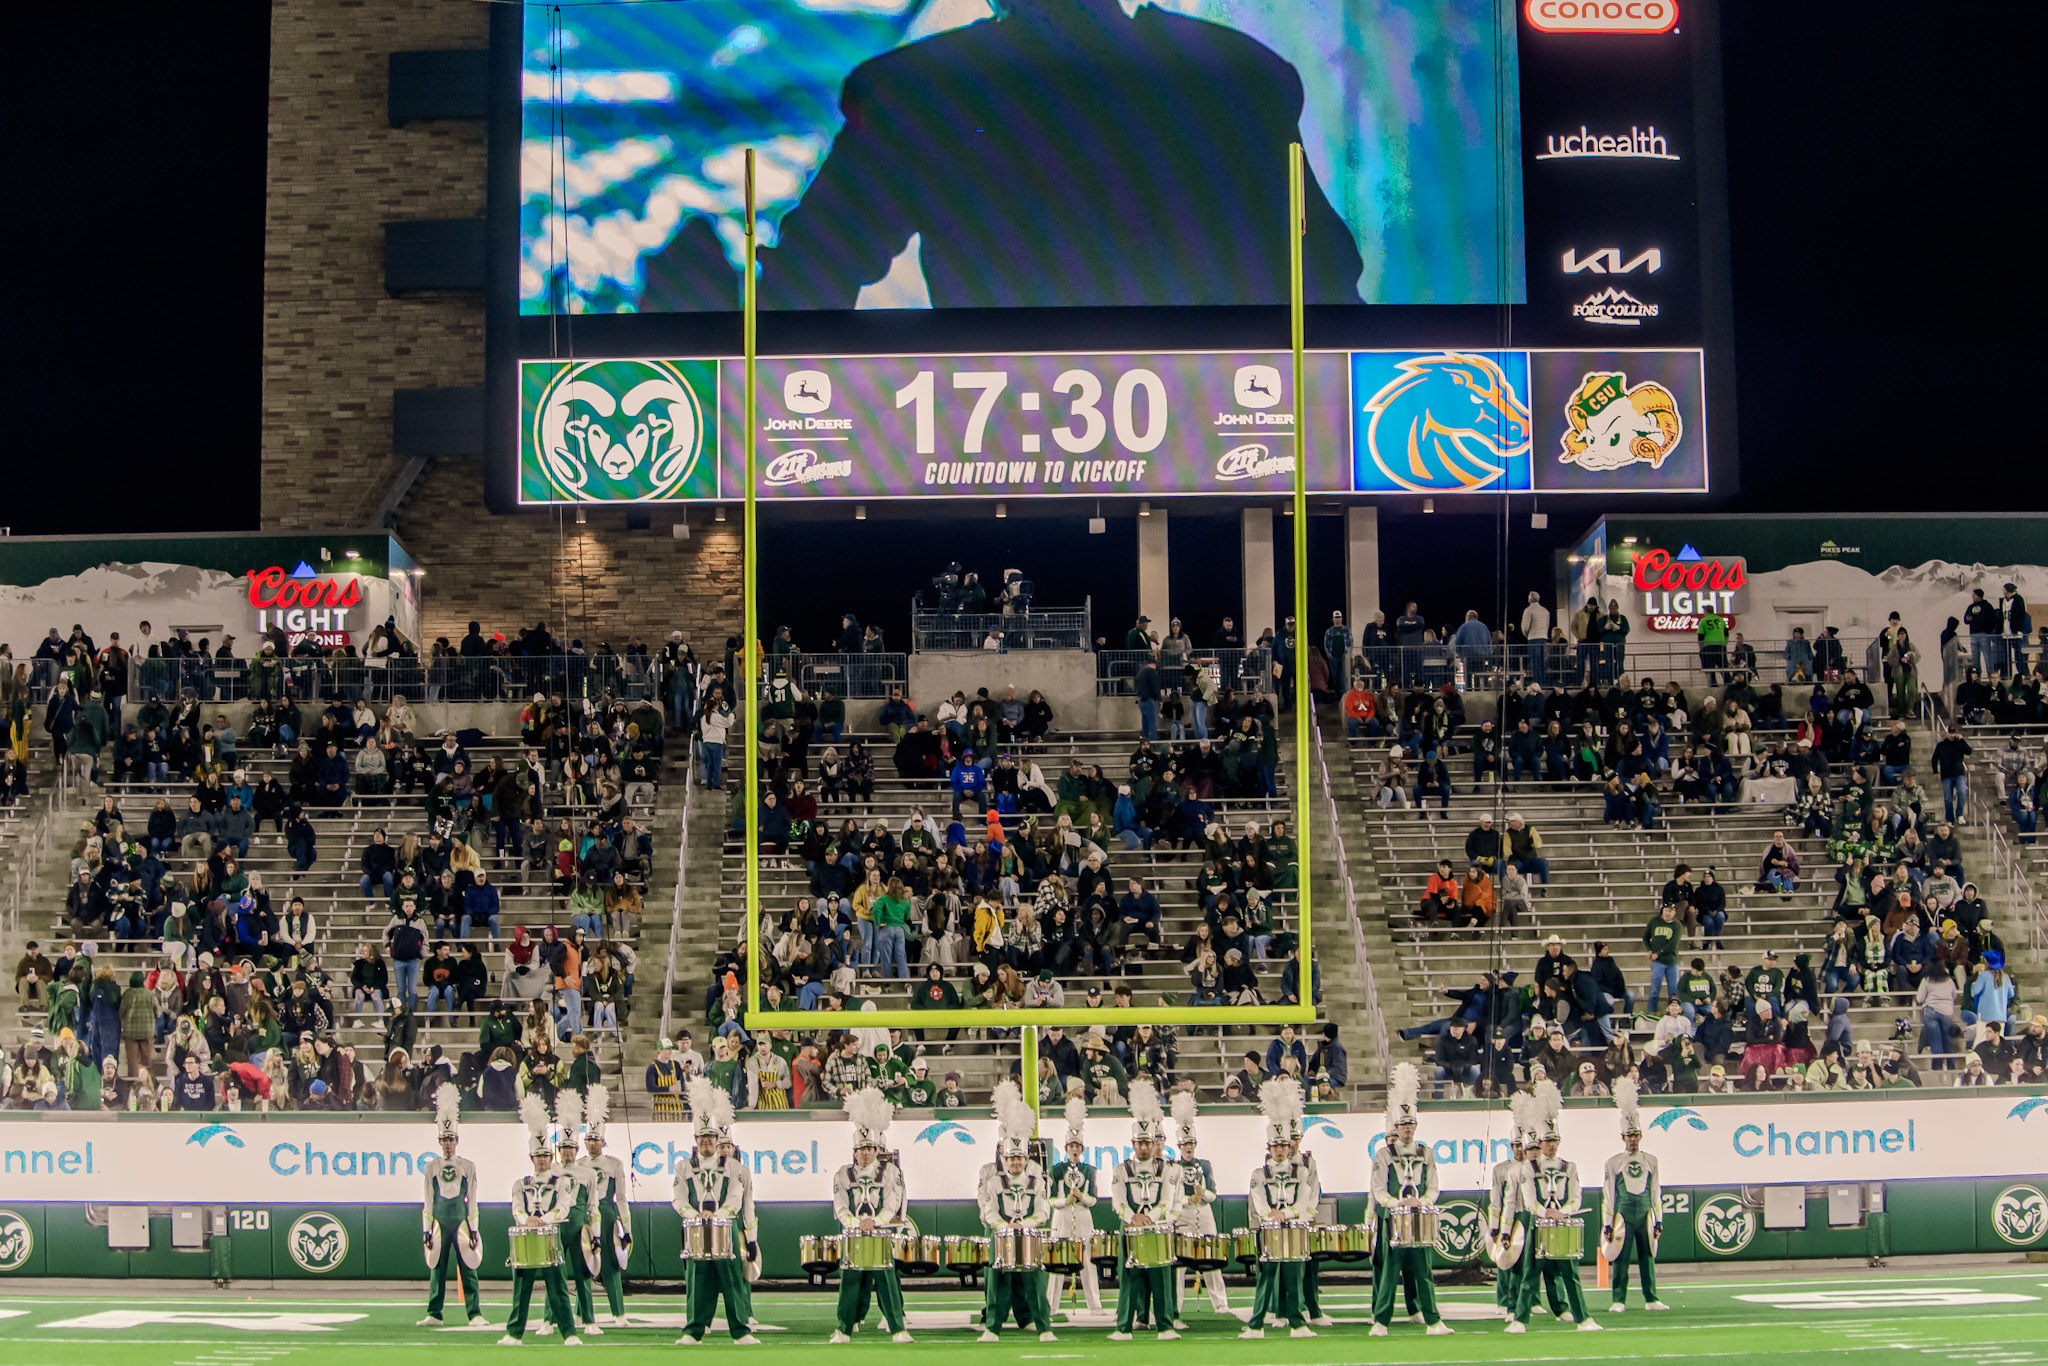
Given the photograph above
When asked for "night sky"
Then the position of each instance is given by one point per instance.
(1885, 271)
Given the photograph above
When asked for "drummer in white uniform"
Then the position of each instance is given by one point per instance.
(868, 1201)
(1554, 1194)
(1278, 1193)
(541, 1201)
(1073, 1196)
(708, 1189)
(1198, 1210)
(448, 1216)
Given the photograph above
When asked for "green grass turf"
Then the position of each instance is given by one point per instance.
(1936, 1318)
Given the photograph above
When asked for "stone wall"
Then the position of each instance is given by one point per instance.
(336, 345)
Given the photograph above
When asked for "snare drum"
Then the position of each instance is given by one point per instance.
(918, 1256)
(1561, 1240)
(707, 1240)
(818, 1253)
(1064, 1255)
(967, 1254)
(1283, 1242)
(1334, 1242)
(1104, 1249)
(1355, 1242)
(874, 1251)
(1412, 1226)
(1146, 1248)
(1245, 1244)
(1203, 1251)
(535, 1248)
(1017, 1249)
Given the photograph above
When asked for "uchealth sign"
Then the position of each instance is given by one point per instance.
(1892, 1137)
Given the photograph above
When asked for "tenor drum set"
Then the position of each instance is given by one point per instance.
(707, 1240)
(1147, 1248)
(1341, 1242)
(1561, 1239)
(1412, 1226)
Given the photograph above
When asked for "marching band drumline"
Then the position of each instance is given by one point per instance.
(572, 1229)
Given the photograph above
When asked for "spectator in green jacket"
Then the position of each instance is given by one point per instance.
(138, 1027)
(1664, 936)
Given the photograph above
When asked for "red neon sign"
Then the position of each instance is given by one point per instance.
(274, 589)
(1656, 571)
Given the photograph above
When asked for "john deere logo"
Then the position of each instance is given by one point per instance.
(1724, 1225)
(619, 431)
(17, 1240)
(317, 1242)
(2019, 1215)
(1460, 1230)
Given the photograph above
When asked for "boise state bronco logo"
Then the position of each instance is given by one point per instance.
(1614, 426)
(1443, 423)
(617, 431)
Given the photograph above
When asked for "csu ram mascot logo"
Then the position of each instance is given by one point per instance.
(2019, 1216)
(1446, 423)
(618, 431)
(1724, 1225)
(318, 1242)
(17, 1241)
(1613, 425)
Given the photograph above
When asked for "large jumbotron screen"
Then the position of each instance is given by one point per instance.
(1500, 197)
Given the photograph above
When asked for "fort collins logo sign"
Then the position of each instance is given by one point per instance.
(304, 605)
(1677, 590)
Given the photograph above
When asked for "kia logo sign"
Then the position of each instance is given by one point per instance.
(1603, 16)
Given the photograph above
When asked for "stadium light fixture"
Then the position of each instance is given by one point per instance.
(860, 512)
(718, 513)
(1002, 509)
(1144, 509)
(1429, 505)
(582, 516)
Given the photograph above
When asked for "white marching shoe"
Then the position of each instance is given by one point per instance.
(838, 1339)
(1169, 1335)
(1253, 1334)
(987, 1336)
(1180, 1325)
(1617, 1308)
(902, 1337)
(687, 1341)
(543, 1329)
(1657, 1305)
(1439, 1329)
(1379, 1330)
(749, 1340)
(1119, 1337)
(1301, 1332)
(591, 1330)
(1589, 1326)
(478, 1321)
(509, 1341)
(1048, 1336)
(1566, 1317)
(1323, 1321)
(1517, 1326)
(572, 1341)
(430, 1321)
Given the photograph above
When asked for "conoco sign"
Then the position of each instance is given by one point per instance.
(304, 604)
(1676, 591)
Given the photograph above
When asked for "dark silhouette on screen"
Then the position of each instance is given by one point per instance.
(1064, 154)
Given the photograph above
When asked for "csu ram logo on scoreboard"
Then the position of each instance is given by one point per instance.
(619, 431)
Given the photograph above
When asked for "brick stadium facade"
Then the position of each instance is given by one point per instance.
(336, 345)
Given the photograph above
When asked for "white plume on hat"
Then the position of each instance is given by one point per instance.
(1522, 1107)
(1280, 1102)
(1184, 1110)
(568, 1117)
(1148, 1121)
(1625, 1093)
(596, 1109)
(1014, 1119)
(871, 1113)
(1549, 1105)
(533, 1113)
(1404, 1094)
(448, 1111)
(1077, 1120)
(709, 1106)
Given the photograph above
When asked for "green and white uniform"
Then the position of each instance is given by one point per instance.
(449, 1211)
(872, 1192)
(1151, 1188)
(704, 1189)
(1073, 1196)
(1500, 1223)
(575, 1230)
(1280, 1193)
(544, 1199)
(1551, 1192)
(1402, 1173)
(606, 1177)
(1198, 1216)
(1311, 1282)
(1631, 1196)
(1016, 1202)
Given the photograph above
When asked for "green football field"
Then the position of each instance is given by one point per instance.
(1938, 1317)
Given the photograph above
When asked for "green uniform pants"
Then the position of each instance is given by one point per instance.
(1311, 1288)
(710, 1278)
(1635, 1247)
(997, 1304)
(1276, 1290)
(437, 1276)
(1145, 1294)
(1411, 1268)
(576, 1271)
(854, 1287)
(556, 1301)
(1558, 1279)
(611, 1274)
(1018, 1293)
(1507, 1285)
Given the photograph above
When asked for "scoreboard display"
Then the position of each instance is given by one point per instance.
(1039, 248)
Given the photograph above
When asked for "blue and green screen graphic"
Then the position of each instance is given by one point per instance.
(1017, 153)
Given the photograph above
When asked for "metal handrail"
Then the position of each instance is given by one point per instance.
(2017, 890)
(34, 844)
(675, 920)
(1376, 1024)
